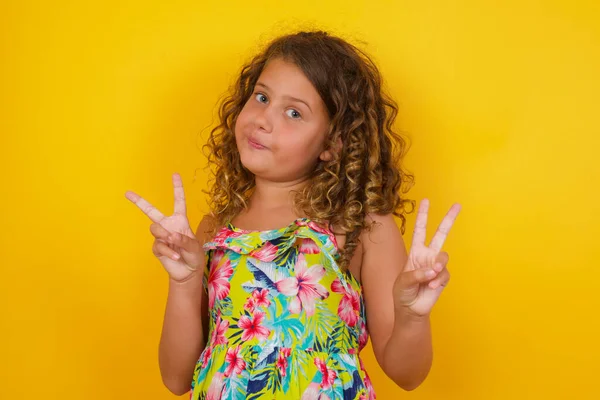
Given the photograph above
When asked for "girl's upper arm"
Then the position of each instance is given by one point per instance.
(384, 256)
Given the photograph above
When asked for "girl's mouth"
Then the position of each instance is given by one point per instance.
(255, 144)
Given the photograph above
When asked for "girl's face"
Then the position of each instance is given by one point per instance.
(281, 131)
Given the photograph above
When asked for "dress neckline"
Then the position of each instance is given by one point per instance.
(231, 226)
(302, 221)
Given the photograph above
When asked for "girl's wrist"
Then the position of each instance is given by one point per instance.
(193, 280)
(404, 316)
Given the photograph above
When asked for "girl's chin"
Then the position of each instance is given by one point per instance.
(263, 171)
(255, 166)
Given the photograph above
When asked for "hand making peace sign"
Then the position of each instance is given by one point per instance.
(175, 244)
(425, 275)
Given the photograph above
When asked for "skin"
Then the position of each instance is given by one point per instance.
(288, 118)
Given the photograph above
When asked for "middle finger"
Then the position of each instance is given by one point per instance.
(442, 232)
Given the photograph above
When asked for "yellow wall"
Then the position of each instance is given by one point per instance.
(502, 103)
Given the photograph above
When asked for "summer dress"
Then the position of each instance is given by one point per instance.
(285, 321)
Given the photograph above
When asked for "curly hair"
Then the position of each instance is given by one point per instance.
(364, 176)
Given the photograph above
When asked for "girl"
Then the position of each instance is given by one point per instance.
(300, 257)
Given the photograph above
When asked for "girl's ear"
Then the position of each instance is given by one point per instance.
(327, 155)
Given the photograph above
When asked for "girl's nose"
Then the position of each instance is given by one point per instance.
(263, 119)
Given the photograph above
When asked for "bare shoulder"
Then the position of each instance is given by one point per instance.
(203, 231)
(381, 230)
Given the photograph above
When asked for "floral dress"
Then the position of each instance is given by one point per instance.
(285, 321)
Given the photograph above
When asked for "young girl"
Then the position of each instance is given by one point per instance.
(273, 295)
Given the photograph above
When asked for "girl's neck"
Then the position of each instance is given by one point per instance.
(269, 195)
(271, 206)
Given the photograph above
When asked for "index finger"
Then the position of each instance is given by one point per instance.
(420, 231)
(442, 233)
(147, 208)
(180, 207)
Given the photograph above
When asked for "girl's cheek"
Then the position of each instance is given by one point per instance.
(243, 119)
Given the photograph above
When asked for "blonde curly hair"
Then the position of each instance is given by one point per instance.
(364, 176)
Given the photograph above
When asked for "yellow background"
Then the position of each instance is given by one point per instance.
(501, 101)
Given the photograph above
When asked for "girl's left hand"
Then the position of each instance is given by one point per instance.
(425, 275)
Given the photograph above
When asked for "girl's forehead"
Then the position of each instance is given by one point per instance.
(285, 78)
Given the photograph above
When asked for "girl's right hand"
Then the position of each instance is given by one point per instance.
(175, 244)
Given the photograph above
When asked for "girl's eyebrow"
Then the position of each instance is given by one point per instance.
(286, 97)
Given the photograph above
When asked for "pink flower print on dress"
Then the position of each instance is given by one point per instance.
(308, 246)
(305, 287)
(218, 282)
(364, 336)
(329, 375)
(225, 233)
(218, 333)
(312, 393)
(266, 253)
(236, 363)
(252, 328)
(259, 298)
(349, 307)
(282, 362)
(215, 258)
(216, 387)
(206, 356)
(249, 304)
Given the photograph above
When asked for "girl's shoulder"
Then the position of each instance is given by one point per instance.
(206, 227)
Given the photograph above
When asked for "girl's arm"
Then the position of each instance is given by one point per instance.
(401, 342)
(184, 328)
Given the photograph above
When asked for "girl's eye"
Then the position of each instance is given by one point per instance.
(293, 114)
(261, 97)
